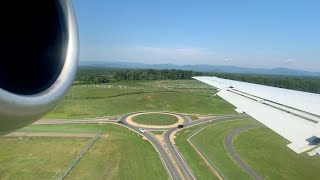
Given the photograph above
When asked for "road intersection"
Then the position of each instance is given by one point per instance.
(171, 158)
(173, 161)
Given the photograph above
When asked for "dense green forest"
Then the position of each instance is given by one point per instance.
(88, 75)
(100, 75)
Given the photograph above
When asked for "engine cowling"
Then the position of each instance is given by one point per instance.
(39, 58)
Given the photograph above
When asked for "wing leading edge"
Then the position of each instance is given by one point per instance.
(292, 114)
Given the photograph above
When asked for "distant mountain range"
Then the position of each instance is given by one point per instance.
(200, 68)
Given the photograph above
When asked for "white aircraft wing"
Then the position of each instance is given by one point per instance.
(292, 114)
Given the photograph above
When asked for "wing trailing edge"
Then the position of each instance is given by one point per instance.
(292, 114)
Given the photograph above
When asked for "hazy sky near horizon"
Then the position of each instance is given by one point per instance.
(246, 33)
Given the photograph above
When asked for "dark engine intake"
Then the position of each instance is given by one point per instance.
(39, 57)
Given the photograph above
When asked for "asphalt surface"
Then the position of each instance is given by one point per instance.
(186, 172)
(172, 171)
(203, 120)
(228, 143)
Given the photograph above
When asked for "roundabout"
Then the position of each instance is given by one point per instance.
(164, 143)
(171, 158)
(154, 120)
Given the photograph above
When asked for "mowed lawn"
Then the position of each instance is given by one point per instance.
(114, 99)
(267, 152)
(194, 161)
(155, 119)
(211, 143)
(119, 154)
(37, 157)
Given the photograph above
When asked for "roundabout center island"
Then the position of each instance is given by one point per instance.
(155, 119)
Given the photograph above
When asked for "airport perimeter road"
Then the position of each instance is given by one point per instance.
(180, 162)
(170, 167)
(197, 122)
(228, 143)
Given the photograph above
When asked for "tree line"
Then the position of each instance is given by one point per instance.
(88, 75)
(103, 75)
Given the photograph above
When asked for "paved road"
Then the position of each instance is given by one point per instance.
(228, 143)
(172, 171)
(173, 160)
(184, 168)
(193, 123)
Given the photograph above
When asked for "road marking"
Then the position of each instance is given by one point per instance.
(173, 161)
(201, 155)
(161, 158)
(173, 144)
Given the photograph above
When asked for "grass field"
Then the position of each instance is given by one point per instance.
(185, 96)
(198, 166)
(268, 154)
(155, 119)
(215, 150)
(125, 155)
(121, 155)
(263, 149)
(211, 143)
(38, 157)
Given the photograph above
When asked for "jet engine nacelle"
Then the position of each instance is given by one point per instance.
(39, 58)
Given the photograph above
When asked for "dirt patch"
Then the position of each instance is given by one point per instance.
(159, 137)
(144, 138)
(204, 117)
(105, 135)
(173, 136)
(148, 97)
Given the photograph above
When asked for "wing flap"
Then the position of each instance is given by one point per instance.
(299, 127)
(296, 130)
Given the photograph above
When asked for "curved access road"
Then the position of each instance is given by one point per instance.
(176, 156)
(228, 144)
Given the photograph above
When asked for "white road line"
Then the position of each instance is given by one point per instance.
(172, 143)
(201, 155)
(162, 160)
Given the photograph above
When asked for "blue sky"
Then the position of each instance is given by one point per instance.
(246, 33)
